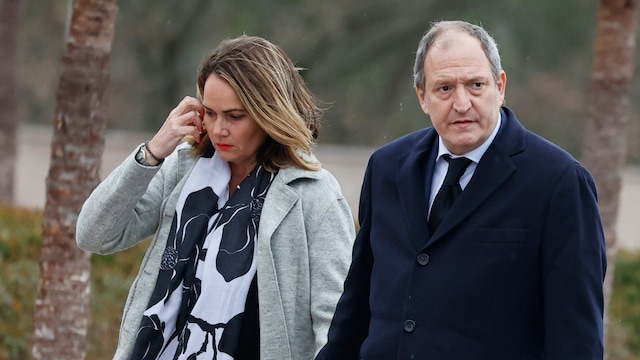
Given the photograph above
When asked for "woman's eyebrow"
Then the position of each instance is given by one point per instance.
(224, 111)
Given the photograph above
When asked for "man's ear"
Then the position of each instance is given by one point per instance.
(502, 86)
(421, 100)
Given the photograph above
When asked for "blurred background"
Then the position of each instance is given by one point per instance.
(358, 55)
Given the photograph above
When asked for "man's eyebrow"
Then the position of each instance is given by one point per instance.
(478, 79)
(471, 79)
(438, 82)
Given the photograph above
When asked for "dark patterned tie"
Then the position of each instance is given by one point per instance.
(448, 192)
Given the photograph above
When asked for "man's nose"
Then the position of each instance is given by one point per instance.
(461, 100)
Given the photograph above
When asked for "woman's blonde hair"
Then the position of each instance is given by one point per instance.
(273, 93)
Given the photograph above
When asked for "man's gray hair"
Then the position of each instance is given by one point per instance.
(489, 47)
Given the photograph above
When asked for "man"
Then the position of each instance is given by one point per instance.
(514, 269)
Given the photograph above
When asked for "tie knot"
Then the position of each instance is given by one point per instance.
(457, 167)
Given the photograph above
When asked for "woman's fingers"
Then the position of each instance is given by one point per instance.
(184, 120)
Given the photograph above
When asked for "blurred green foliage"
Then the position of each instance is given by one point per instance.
(19, 252)
(20, 236)
(625, 307)
(20, 233)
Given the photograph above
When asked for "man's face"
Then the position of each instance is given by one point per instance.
(460, 94)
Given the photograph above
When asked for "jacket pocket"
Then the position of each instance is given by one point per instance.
(501, 236)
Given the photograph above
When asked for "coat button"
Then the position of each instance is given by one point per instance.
(409, 326)
(423, 259)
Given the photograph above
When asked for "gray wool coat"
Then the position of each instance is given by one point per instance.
(304, 247)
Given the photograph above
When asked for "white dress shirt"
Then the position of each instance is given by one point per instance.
(442, 165)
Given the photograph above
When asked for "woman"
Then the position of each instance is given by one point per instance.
(251, 237)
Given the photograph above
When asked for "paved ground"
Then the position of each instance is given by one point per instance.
(345, 162)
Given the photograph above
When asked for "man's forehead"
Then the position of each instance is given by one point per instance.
(450, 38)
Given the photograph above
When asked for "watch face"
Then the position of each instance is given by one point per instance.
(140, 158)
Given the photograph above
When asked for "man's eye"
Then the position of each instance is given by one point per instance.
(445, 88)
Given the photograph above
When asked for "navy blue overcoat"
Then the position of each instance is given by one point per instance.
(515, 271)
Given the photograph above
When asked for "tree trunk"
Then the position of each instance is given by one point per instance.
(604, 152)
(62, 304)
(9, 16)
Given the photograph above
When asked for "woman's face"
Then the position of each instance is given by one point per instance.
(235, 135)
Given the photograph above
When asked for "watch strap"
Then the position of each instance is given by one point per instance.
(146, 146)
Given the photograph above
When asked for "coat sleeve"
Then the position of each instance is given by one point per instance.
(350, 323)
(122, 210)
(573, 269)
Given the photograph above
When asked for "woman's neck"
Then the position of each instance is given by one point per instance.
(238, 174)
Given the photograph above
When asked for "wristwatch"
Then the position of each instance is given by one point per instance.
(141, 157)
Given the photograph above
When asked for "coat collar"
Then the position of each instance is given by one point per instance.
(281, 198)
(493, 170)
(411, 170)
(415, 168)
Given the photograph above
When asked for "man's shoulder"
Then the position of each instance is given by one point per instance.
(517, 139)
(547, 150)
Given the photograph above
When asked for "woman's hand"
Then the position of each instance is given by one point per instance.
(185, 119)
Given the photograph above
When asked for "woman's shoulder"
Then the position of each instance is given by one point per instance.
(180, 159)
(293, 174)
(319, 181)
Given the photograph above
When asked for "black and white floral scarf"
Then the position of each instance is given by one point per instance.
(208, 265)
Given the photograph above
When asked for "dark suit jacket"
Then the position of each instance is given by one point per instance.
(514, 272)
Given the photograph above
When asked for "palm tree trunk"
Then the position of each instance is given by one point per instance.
(604, 149)
(62, 304)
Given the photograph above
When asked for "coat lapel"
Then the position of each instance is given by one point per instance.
(414, 185)
(281, 198)
(494, 169)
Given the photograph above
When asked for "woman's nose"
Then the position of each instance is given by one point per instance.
(219, 128)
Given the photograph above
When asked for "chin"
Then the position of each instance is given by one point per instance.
(463, 147)
(225, 157)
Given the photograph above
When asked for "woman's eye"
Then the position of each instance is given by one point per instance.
(208, 112)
